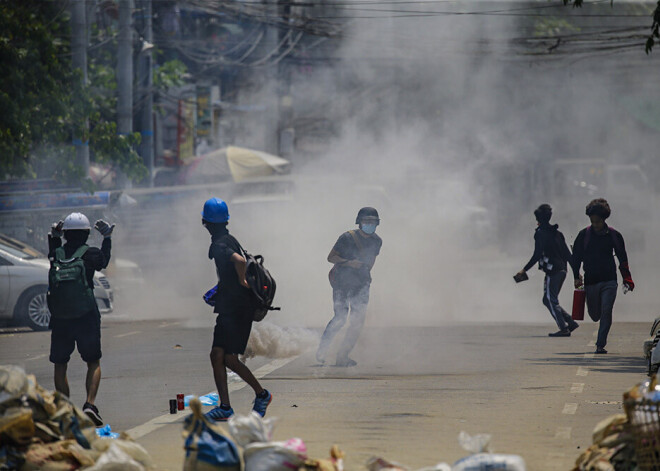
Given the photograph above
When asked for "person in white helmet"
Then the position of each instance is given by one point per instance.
(75, 320)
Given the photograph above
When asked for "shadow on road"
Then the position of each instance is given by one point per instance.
(610, 363)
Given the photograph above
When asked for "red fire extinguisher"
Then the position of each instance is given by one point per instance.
(579, 298)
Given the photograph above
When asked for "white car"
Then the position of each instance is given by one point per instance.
(24, 283)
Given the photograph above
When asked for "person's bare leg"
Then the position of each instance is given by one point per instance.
(93, 380)
(60, 380)
(220, 374)
(238, 367)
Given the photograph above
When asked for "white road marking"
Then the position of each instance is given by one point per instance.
(582, 371)
(563, 432)
(577, 388)
(235, 384)
(570, 408)
(168, 324)
(38, 357)
(591, 343)
(588, 356)
(127, 334)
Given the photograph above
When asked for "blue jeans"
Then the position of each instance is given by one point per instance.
(355, 300)
(600, 303)
(551, 288)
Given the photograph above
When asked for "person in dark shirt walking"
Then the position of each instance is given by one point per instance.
(81, 329)
(234, 306)
(552, 254)
(595, 247)
(353, 256)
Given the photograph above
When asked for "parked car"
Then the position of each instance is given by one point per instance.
(24, 283)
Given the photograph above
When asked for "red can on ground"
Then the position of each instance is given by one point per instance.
(179, 402)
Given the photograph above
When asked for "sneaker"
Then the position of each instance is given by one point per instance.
(261, 404)
(571, 328)
(561, 333)
(93, 413)
(219, 414)
(600, 351)
(346, 362)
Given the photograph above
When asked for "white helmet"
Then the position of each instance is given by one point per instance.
(76, 221)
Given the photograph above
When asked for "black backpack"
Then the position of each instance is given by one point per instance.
(69, 296)
(262, 285)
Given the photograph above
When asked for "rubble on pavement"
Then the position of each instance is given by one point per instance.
(43, 430)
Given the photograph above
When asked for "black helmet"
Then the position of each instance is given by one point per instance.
(367, 212)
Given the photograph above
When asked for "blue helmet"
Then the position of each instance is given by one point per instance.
(215, 210)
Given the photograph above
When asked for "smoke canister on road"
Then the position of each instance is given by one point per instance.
(179, 402)
(173, 406)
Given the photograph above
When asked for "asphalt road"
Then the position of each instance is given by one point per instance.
(412, 392)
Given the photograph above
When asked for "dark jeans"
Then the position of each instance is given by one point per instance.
(355, 299)
(551, 288)
(600, 303)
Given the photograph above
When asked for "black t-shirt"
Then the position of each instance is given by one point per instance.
(347, 248)
(231, 295)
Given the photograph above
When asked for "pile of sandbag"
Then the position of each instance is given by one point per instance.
(613, 447)
(247, 446)
(42, 430)
(480, 459)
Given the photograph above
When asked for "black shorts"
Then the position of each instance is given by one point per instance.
(85, 332)
(232, 331)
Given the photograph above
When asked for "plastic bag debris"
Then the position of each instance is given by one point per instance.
(132, 449)
(488, 462)
(479, 443)
(65, 454)
(207, 445)
(275, 456)
(16, 425)
(251, 428)
(116, 459)
(381, 464)
(483, 461)
(106, 432)
(211, 399)
(334, 463)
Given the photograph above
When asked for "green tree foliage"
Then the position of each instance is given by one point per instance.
(44, 103)
(35, 82)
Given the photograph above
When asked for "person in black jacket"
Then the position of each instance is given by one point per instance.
(595, 246)
(552, 254)
(83, 331)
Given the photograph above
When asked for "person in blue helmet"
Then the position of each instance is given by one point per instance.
(233, 305)
(353, 256)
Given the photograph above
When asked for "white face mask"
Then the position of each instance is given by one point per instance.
(368, 228)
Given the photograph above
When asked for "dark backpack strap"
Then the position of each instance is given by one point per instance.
(356, 239)
(59, 254)
(80, 251)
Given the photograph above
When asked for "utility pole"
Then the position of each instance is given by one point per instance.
(125, 72)
(79, 61)
(270, 118)
(146, 84)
